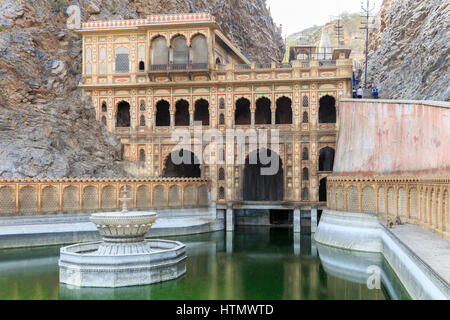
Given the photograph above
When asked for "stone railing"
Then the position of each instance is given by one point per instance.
(422, 201)
(40, 196)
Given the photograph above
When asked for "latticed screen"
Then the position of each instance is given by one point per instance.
(7, 200)
(122, 63)
(189, 196)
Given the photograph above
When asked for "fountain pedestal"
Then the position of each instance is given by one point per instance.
(124, 257)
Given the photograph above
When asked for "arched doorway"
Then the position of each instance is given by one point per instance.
(326, 159)
(242, 114)
(188, 168)
(162, 114)
(263, 114)
(260, 187)
(201, 112)
(283, 113)
(123, 114)
(327, 109)
(323, 190)
(182, 113)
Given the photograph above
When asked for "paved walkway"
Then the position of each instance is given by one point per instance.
(429, 247)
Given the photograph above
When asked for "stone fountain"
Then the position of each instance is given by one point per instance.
(124, 257)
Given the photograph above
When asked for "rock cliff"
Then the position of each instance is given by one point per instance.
(47, 128)
(409, 53)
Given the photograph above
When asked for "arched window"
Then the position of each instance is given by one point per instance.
(305, 117)
(104, 120)
(327, 109)
(180, 51)
(305, 194)
(242, 114)
(221, 174)
(199, 49)
(305, 174)
(263, 114)
(222, 103)
(221, 119)
(123, 114)
(221, 193)
(305, 154)
(122, 61)
(142, 121)
(305, 101)
(142, 155)
(104, 107)
(182, 113)
(326, 159)
(160, 51)
(202, 112)
(141, 66)
(284, 111)
(142, 105)
(162, 114)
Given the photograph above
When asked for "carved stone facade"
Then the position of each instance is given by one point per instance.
(294, 92)
(418, 200)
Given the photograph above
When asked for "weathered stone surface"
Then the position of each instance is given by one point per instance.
(47, 129)
(409, 54)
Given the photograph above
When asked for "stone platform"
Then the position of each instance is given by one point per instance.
(419, 258)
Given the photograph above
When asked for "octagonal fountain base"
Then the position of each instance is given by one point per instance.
(124, 257)
(80, 265)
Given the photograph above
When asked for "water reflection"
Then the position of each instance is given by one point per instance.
(251, 263)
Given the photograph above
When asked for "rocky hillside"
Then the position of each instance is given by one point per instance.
(409, 53)
(47, 129)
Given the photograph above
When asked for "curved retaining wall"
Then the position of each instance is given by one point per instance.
(363, 232)
(391, 137)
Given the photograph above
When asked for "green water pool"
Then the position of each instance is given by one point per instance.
(250, 263)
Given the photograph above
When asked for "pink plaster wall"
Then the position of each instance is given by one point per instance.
(393, 138)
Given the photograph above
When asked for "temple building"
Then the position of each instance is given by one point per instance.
(150, 76)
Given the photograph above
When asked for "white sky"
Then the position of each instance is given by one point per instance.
(296, 15)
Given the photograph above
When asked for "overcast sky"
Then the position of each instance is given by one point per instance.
(296, 15)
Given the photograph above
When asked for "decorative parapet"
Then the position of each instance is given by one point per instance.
(151, 20)
(419, 200)
(47, 195)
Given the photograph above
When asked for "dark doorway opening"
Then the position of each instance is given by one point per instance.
(182, 113)
(123, 114)
(263, 115)
(284, 111)
(202, 112)
(162, 114)
(323, 190)
(242, 114)
(188, 168)
(326, 159)
(327, 110)
(281, 218)
(259, 186)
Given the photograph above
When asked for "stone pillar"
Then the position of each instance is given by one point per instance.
(191, 119)
(297, 220)
(273, 118)
(229, 242)
(252, 112)
(297, 244)
(313, 219)
(172, 120)
(229, 219)
(154, 122)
